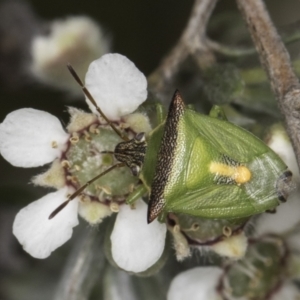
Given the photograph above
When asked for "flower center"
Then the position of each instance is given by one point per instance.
(86, 160)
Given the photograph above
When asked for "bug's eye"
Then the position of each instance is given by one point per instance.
(140, 137)
(135, 169)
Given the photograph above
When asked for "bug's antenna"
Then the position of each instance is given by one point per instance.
(76, 193)
(90, 97)
(107, 152)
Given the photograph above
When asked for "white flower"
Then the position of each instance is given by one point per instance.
(131, 234)
(196, 284)
(233, 247)
(287, 215)
(39, 235)
(30, 138)
(287, 291)
(76, 40)
(285, 219)
(113, 78)
(280, 143)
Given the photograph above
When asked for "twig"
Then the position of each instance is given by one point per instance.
(229, 50)
(118, 285)
(192, 42)
(290, 34)
(276, 62)
(83, 268)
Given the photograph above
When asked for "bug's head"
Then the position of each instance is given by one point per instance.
(132, 153)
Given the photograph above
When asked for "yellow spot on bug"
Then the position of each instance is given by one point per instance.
(243, 174)
(240, 174)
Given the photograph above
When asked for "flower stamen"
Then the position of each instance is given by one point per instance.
(94, 129)
(87, 136)
(114, 207)
(74, 139)
(66, 164)
(54, 144)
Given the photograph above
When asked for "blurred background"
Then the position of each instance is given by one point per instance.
(144, 31)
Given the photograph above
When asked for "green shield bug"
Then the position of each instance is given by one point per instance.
(199, 165)
(211, 168)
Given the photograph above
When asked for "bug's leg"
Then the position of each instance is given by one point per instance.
(90, 97)
(160, 113)
(271, 211)
(218, 113)
(162, 217)
(82, 188)
(139, 192)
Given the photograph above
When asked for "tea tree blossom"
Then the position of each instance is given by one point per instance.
(272, 250)
(77, 40)
(31, 138)
(196, 284)
(131, 225)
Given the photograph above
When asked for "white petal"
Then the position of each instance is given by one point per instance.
(293, 242)
(279, 142)
(77, 40)
(287, 292)
(28, 138)
(196, 284)
(116, 84)
(233, 247)
(39, 235)
(286, 217)
(136, 245)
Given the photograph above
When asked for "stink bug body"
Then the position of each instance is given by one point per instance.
(198, 165)
(210, 168)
